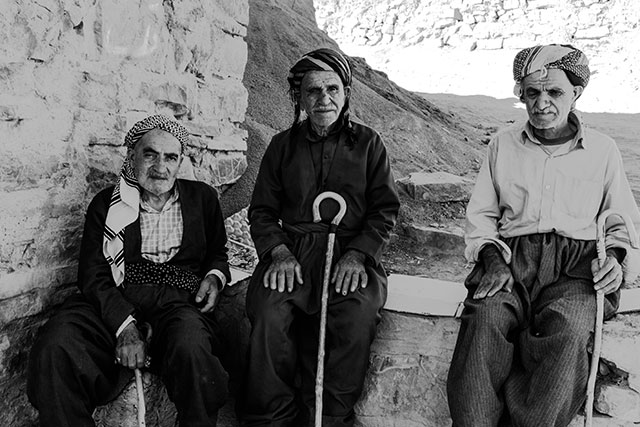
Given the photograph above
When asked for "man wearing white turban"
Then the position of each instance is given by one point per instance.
(521, 356)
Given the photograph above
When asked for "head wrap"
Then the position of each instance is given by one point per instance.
(319, 60)
(541, 58)
(125, 200)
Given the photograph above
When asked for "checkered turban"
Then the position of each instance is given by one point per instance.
(563, 57)
(319, 60)
(125, 199)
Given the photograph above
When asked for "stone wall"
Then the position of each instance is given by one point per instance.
(409, 39)
(74, 76)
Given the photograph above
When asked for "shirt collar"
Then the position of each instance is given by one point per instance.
(312, 136)
(574, 118)
(173, 198)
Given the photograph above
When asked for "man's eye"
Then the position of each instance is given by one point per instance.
(555, 93)
(333, 90)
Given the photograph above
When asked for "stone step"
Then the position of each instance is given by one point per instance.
(436, 187)
(446, 240)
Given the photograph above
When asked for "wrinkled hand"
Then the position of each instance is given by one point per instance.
(284, 271)
(608, 278)
(497, 274)
(131, 348)
(208, 293)
(349, 272)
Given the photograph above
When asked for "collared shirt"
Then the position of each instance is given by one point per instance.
(161, 230)
(522, 189)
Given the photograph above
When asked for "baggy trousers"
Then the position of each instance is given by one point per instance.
(282, 357)
(72, 369)
(521, 357)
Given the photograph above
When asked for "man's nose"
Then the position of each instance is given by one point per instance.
(324, 97)
(542, 101)
(159, 163)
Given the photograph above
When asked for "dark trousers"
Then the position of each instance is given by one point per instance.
(283, 346)
(72, 369)
(521, 358)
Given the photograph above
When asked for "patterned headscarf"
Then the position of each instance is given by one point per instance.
(541, 58)
(125, 200)
(324, 59)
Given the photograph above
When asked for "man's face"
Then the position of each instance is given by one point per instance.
(156, 160)
(549, 99)
(322, 96)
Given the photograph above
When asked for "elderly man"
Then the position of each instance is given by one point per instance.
(521, 356)
(154, 252)
(323, 150)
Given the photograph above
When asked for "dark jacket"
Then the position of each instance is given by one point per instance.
(203, 247)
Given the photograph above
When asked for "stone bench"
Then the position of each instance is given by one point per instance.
(409, 363)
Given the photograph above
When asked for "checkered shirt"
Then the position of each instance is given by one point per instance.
(162, 230)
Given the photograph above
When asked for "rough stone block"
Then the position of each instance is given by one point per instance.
(437, 187)
(596, 32)
(490, 44)
(619, 402)
(444, 241)
(621, 342)
(134, 30)
(234, 51)
(406, 381)
(510, 4)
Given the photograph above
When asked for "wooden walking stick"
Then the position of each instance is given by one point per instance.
(597, 339)
(142, 410)
(145, 328)
(325, 289)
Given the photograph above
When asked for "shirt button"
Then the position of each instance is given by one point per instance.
(546, 187)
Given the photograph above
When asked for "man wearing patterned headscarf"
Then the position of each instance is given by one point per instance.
(153, 253)
(324, 150)
(521, 356)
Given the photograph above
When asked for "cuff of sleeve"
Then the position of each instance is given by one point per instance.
(124, 324)
(220, 275)
(472, 252)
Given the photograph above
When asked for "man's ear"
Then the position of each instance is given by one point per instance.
(347, 91)
(577, 91)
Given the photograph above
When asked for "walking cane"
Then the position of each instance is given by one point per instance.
(325, 289)
(142, 410)
(145, 328)
(597, 339)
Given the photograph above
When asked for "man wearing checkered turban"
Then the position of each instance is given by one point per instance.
(153, 253)
(521, 357)
(324, 150)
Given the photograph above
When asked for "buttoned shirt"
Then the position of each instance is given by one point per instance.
(523, 189)
(161, 230)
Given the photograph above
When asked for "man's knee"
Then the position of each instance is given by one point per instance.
(498, 311)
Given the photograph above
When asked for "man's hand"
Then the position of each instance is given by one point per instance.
(208, 292)
(608, 278)
(349, 272)
(130, 347)
(497, 274)
(284, 270)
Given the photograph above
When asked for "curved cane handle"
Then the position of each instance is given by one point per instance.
(329, 195)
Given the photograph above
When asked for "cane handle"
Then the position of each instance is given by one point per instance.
(329, 195)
